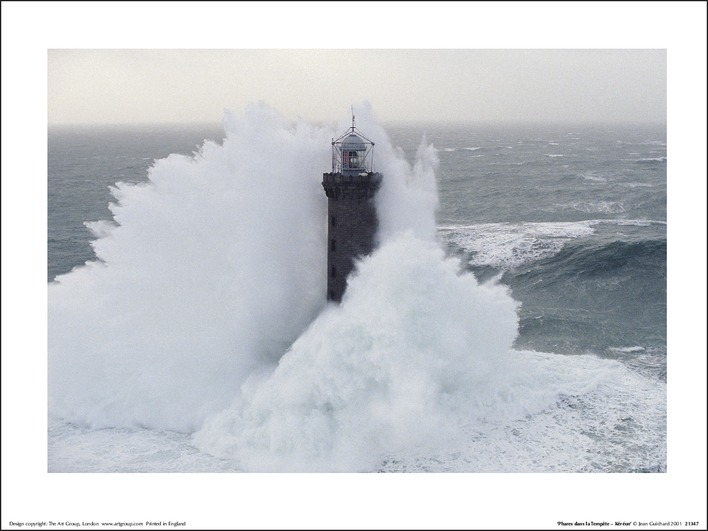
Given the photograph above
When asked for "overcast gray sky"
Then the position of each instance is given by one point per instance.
(118, 86)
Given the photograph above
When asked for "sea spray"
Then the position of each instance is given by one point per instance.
(379, 375)
(415, 371)
(209, 271)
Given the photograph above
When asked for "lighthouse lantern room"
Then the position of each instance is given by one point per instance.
(352, 220)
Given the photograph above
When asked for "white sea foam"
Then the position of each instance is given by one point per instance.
(654, 143)
(546, 413)
(601, 207)
(627, 349)
(637, 185)
(631, 222)
(584, 414)
(510, 245)
(593, 177)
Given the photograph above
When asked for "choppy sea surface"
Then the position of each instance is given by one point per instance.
(512, 319)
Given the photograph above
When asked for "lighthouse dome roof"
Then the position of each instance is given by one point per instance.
(353, 142)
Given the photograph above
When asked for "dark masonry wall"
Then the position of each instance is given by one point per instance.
(351, 225)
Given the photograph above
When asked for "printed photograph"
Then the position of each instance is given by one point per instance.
(362, 261)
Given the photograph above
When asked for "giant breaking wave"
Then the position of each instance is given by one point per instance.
(205, 313)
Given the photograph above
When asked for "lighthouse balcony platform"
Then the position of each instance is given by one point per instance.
(355, 186)
(351, 177)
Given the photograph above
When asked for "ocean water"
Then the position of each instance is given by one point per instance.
(512, 318)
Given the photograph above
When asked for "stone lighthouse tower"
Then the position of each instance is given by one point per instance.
(352, 221)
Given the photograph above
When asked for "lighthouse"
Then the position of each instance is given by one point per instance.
(351, 213)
